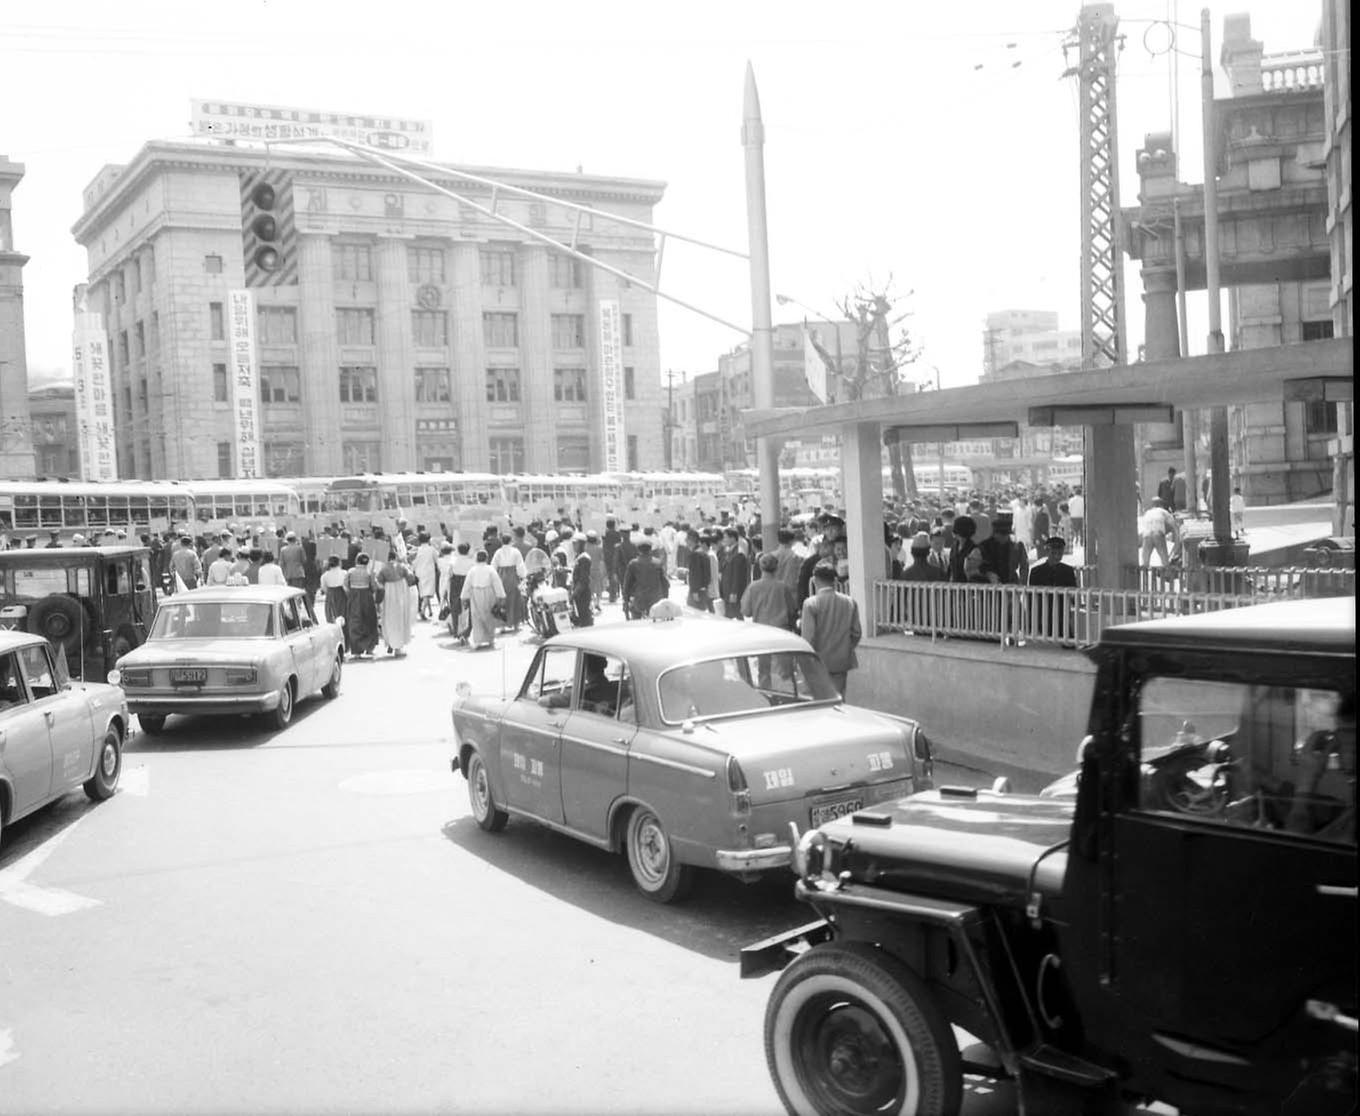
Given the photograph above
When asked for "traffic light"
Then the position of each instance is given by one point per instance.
(268, 236)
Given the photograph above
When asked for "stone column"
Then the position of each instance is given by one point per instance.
(536, 361)
(16, 445)
(320, 359)
(1160, 441)
(862, 459)
(469, 358)
(396, 376)
(1111, 504)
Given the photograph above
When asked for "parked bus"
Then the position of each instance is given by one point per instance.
(665, 486)
(562, 491)
(372, 493)
(85, 507)
(242, 499)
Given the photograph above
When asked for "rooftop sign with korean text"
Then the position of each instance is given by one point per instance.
(238, 120)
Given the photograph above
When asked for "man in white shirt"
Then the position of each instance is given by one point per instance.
(271, 573)
(1076, 511)
(1154, 525)
(220, 569)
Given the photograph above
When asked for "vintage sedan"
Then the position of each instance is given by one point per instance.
(55, 734)
(231, 649)
(695, 743)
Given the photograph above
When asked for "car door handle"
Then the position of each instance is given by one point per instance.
(50, 716)
(554, 724)
(620, 740)
(1337, 890)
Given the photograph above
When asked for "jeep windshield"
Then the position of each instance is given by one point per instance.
(743, 684)
(213, 620)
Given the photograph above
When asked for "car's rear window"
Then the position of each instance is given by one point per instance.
(743, 684)
(213, 620)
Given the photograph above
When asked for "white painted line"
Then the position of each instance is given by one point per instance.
(8, 1053)
(52, 901)
(135, 780)
(409, 781)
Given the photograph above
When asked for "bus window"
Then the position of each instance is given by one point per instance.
(25, 511)
(179, 508)
(241, 502)
(97, 510)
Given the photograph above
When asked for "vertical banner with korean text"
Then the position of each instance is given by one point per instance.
(94, 400)
(611, 388)
(245, 382)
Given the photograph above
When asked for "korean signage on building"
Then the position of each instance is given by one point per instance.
(245, 382)
(94, 400)
(611, 388)
(236, 120)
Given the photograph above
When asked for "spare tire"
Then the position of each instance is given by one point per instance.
(62, 621)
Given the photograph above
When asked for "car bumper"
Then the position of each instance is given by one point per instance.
(205, 704)
(753, 860)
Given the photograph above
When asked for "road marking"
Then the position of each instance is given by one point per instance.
(7, 1051)
(51, 901)
(135, 780)
(409, 781)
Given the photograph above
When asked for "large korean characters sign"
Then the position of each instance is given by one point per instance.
(611, 388)
(94, 403)
(245, 383)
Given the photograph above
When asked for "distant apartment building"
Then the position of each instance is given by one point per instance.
(420, 334)
(1028, 336)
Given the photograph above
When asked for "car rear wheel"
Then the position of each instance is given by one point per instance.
(332, 688)
(282, 716)
(851, 1030)
(657, 873)
(484, 809)
(152, 725)
(108, 766)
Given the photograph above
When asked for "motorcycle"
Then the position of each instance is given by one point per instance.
(549, 607)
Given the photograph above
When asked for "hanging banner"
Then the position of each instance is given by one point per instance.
(245, 382)
(611, 388)
(94, 400)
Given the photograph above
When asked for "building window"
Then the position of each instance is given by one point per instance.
(358, 384)
(429, 328)
(355, 325)
(142, 395)
(127, 400)
(432, 385)
(627, 328)
(632, 453)
(155, 331)
(280, 383)
(628, 381)
(138, 340)
(507, 455)
(352, 261)
(212, 265)
(502, 385)
(1320, 418)
(224, 459)
(149, 274)
(283, 459)
(569, 331)
(498, 267)
(573, 453)
(566, 272)
(569, 385)
(500, 331)
(1316, 331)
(277, 325)
(119, 291)
(221, 386)
(361, 457)
(123, 348)
(217, 323)
(135, 270)
(425, 265)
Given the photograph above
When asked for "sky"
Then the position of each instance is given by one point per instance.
(930, 147)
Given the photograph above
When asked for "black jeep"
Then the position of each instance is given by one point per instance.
(95, 603)
(1180, 927)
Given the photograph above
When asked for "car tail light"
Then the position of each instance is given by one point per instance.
(128, 677)
(736, 783)
(240, 676)
(925, 754)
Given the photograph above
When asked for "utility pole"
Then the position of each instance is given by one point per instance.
(670, 417)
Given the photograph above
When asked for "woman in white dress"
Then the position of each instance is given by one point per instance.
(482, 588)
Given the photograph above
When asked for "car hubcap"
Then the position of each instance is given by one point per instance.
(286, 703)
(653, 853)
(481, 793)
(849, 1058)
(109, 759)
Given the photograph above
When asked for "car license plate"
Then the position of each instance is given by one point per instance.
(830, 811)
(188, 676)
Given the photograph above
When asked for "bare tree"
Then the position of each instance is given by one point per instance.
(878, 365)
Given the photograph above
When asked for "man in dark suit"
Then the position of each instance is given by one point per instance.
(830, 622)
(644, 583)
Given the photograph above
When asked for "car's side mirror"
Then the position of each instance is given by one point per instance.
(1084, 748)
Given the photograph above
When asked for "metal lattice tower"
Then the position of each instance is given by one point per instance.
(1102, 273)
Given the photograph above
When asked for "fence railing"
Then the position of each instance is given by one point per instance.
(1260, 582)
(1033, 615)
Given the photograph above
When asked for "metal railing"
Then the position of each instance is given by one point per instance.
(1260, 582)
(1033, 615)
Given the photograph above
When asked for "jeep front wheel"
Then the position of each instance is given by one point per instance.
(851, 1030)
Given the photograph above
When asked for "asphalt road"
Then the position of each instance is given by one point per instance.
(310, 921)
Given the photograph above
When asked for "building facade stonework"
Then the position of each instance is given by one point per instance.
(420, 334)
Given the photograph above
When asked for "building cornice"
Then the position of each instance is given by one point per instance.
(157, 157)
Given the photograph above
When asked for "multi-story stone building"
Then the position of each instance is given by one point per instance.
(52, 411)
(419, 334)
(1028, 336)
